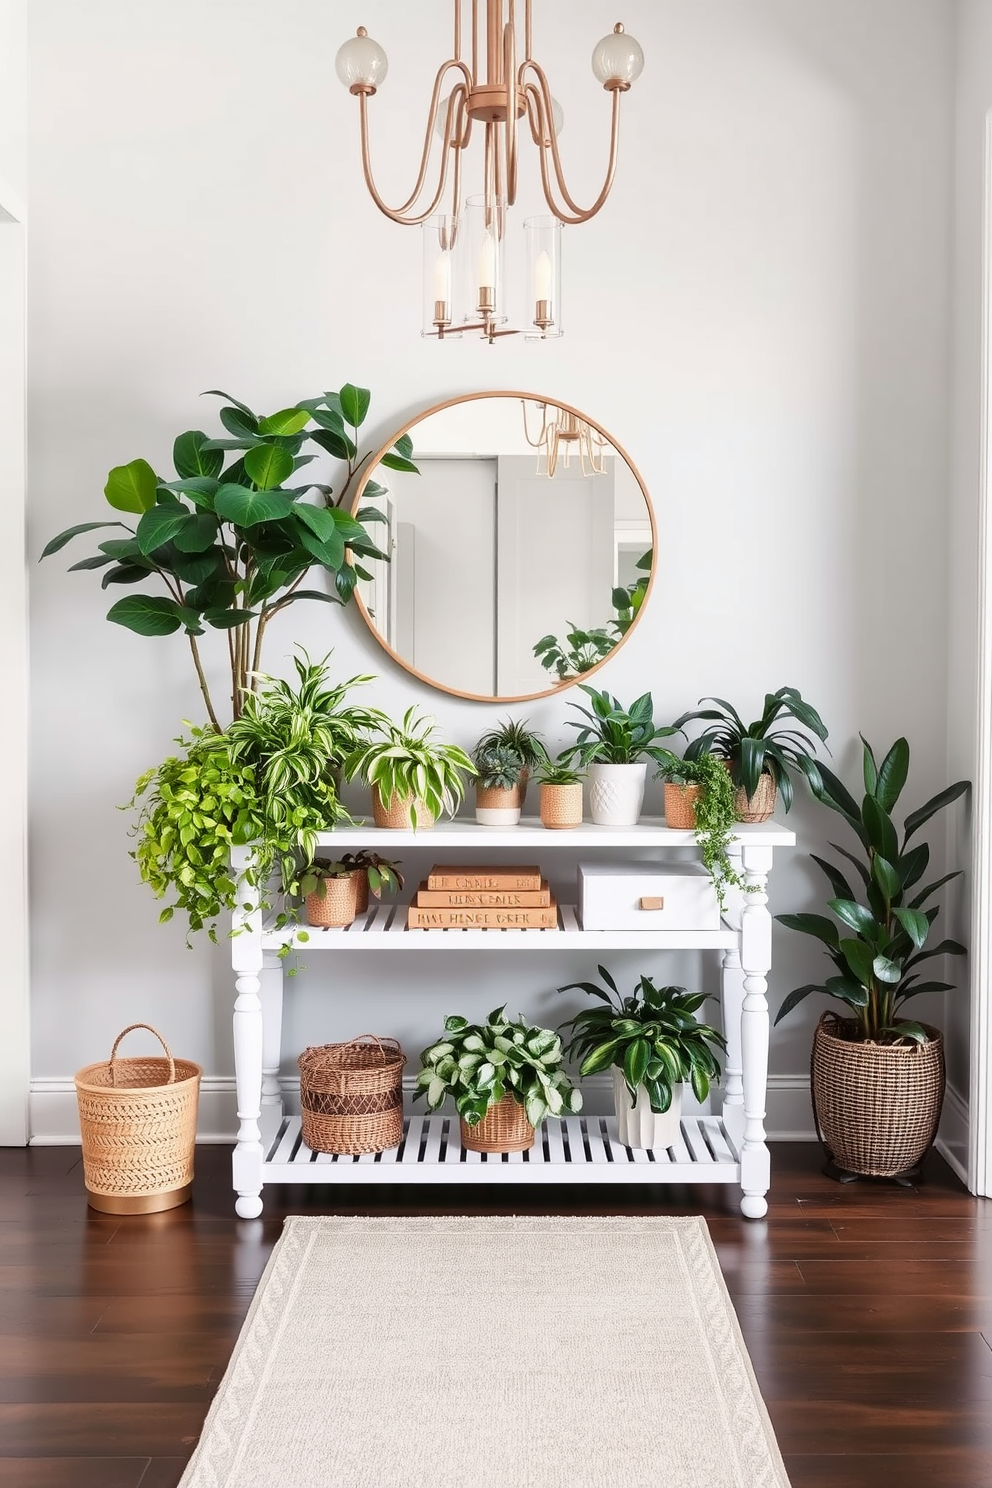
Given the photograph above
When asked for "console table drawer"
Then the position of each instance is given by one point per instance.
(646, 896)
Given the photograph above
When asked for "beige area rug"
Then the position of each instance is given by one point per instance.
(489, 1353)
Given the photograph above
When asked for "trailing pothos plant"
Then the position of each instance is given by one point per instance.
(714, 814)
(480, 1063)
(877, 967)
(231, 544)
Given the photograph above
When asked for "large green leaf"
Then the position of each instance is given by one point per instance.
(319, 520)
(268, 465)
(886, 877)
(191, 459)
(159, 526)
(242, 425)
(198, 533)
(860, 919)
(916, 819)
(881, 832)
(217, 393)
(887, 970)
(335, 442)
(246, 508)
(795, 998)
(200, 489)
(397, 462)
(147, 614)
(848, 991)
(329, 553)
(860, 958)
(892, 775)
(286, 421)
(100, 560)
(355, 404)
(811, 924)
(915, 924)
(131, 487)
(70, 532)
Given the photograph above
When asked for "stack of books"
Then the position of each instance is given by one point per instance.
(456, 898)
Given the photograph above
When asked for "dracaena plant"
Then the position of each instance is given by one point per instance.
(480, 1063)
(880, 935)
(613, 735)
(764, 746)
(403, 762)
(228, 546)
(655, 1039)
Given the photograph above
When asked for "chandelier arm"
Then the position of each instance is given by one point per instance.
(534, 443)
(402, 213)
(510, 73)
(539, 97)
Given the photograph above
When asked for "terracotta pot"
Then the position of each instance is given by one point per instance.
(337, 906)
(504, 1128)
(561, 806)
(495, 807)
(760, 806)
(680, 806)
(876, 1105)
(396, 815)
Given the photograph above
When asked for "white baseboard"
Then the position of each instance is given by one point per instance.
(54, 1121)
(953, 1136)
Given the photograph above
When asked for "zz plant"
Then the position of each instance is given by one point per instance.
(228, 546)
(480, 1063)
(879, 937)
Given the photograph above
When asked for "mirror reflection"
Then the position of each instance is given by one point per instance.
(520, 547)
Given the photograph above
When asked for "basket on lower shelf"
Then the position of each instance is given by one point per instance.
(504, 1128)
(351, 1095)
(137, 1118)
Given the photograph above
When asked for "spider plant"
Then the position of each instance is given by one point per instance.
(761, 747)
(403, 762)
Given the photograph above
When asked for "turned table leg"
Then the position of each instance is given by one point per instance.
(756, 960)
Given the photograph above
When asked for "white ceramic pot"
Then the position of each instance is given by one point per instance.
(638, 1125)
(497, 816)
(616, 793)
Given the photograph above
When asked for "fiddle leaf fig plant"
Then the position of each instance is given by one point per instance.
(232, 538)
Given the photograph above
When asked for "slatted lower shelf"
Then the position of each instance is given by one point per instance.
(431, 1152)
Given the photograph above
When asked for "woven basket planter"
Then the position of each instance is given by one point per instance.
(504, 1128)
(351, 1095)
(561, 806)
(396, 816)
(760, 806)
(680, 806)
(137, 1118)
(876, 1105)
(361, 877)
(337, 906)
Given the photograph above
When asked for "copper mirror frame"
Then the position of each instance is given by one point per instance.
(408, 428)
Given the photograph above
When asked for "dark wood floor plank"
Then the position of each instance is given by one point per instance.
(86, 1429)
(950, 1467)
(74, 1472)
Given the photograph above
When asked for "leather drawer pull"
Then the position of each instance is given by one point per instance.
(652, 904)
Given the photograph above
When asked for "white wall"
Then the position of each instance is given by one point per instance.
(759, 315)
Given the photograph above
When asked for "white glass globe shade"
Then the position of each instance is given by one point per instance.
(617, 59)
(361, 60)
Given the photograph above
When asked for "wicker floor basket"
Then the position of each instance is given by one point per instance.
(504, 1128)
(876, 1105)
(138, 1123)
(351, 1095)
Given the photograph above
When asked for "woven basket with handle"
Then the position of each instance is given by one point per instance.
(351, 1095)
(876, 1105)
(504, 1128)
(137, 1118)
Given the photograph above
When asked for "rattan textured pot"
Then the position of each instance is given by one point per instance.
(396, 815)
(680, 806)
(137, 1118)
(561, 806)
(760, 806)
(504, 1128)
(876, 1105)
(495, 807)
(361, 877)
(337, 905)
(351, 1095)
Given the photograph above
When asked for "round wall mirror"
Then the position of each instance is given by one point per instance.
(520, 541)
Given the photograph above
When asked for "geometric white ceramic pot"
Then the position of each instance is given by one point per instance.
(638, 1125)
(616, 793)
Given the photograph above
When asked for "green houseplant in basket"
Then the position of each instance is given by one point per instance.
(613, 745)
(505, 1076)
(413, 778)
(877, 1076)
(330, 891)
(561, 795)
(761, 754)
(699, 797)
(653, 1043)
(499, 785)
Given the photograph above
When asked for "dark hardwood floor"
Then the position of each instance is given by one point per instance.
(867, 1311)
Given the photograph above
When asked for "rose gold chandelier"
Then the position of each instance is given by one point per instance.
(561, 435)
(464, 280)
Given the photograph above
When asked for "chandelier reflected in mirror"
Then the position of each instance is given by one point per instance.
(464, 270)
(563, 433)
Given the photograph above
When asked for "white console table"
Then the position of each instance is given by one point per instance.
(728, 1148)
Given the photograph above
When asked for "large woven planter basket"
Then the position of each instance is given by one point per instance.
(504, 1128)
(137, 1118)
(396, 815)
(759, 807)
(876, 1105)
(351, 1095)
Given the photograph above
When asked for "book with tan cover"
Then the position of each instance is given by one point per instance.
(482, 919)
(483, 898)
(443, 876)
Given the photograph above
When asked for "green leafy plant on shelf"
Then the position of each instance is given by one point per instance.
(313, 878)
(877, 967)
(654, 1038)
(480, 1063)
(383, 873)
(613, 735)
(557, 772)
(404, 762)
(231, 544)
(764, 746)
(583, 649)
(714, 813)
(498, 767)
(518, 736)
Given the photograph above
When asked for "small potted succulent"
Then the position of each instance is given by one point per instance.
(653, 1044)
(760, 755)
(498, 789)
(613, 746)
(516, 734)
(699, 798)
(330, 891)
(505, 1076)
(372, 875)
(561, 795)
(413, 779)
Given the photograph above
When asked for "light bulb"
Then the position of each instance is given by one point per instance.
(543, 276)
(442, 277)
(617, 60)
(361, 63)
(487, 261)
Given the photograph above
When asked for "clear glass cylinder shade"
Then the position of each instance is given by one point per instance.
(442, 312)
(362, 62)
(618, 58)
(480, 280)
(542, 278)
